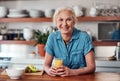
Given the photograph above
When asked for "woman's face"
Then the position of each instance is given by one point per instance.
(65, 22)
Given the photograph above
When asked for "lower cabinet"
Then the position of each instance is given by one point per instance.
(108, 66)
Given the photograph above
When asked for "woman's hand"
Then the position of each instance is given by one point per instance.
(63, 71)
(51, 71)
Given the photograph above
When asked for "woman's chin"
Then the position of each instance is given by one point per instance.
(65, 32)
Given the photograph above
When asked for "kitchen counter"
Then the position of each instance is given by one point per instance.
(107, 62)
(106, 65)
(102, 64)
(97, 76)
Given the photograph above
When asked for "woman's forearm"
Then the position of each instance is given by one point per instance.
(83, 70)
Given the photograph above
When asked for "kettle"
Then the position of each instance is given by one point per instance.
(93, 12)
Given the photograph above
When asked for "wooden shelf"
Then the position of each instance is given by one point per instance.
(17, 42)
(105, 43)
(99, 18)
(25, 19)
(95, 43)
(80, 19)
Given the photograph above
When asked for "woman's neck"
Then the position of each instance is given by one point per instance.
(66, 37)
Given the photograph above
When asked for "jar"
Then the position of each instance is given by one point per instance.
(27, 34)
(4, 32)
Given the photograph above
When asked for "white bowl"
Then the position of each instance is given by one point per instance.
(36, 13)
(17, 11)
(15, 73)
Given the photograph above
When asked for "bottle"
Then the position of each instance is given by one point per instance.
(117, 51)
(4, 32)
(1, 36)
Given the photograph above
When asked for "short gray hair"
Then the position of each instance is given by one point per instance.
(57, 11)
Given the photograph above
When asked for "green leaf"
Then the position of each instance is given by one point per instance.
(40, 37)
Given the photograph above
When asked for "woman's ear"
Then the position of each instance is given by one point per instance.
(74, 22)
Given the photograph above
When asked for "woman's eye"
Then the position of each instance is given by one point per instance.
(69, 19)
(60, 19)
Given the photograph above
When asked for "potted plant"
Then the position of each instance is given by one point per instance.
(41, 39)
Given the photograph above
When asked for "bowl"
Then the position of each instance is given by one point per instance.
(17, 11)
(34, 13)
(15, 73)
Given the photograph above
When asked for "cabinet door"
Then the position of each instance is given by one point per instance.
(108, 69)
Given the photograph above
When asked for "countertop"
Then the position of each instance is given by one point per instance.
(97, 76)
(107, 65)
(107, 62)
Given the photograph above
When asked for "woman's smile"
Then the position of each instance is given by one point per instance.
(65, 28)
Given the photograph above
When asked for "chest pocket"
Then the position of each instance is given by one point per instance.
(77, 59)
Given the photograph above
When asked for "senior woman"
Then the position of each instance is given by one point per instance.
(71, 45)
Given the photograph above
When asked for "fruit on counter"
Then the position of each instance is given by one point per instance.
(31, 69)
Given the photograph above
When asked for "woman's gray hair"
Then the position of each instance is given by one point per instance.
(57, 11)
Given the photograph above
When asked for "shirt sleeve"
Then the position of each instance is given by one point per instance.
(88, 44)
(49, 45)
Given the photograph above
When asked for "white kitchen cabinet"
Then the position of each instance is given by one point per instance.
(107, 66)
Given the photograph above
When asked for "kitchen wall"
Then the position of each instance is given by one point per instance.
(53, 4)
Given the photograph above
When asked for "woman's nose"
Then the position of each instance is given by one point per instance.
(64, 23)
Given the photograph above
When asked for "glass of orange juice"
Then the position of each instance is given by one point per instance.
(57, 62)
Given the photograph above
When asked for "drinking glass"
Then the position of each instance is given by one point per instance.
(57, 62)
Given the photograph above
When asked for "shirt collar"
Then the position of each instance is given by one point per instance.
(75, 34)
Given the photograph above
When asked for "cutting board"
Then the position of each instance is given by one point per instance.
(37, 73)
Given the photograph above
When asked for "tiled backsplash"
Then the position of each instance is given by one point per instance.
(16, 50)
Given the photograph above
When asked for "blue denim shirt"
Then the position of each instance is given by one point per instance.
(73, 54)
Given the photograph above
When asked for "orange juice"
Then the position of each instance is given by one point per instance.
(57, 62)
